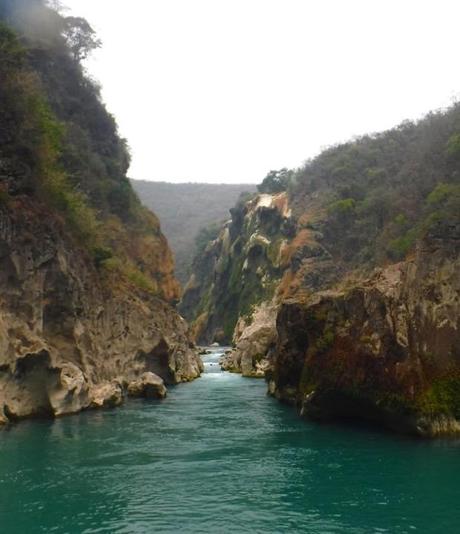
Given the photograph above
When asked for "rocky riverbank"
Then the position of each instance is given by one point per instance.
(73, 337)
(343, 290)
(385, 349)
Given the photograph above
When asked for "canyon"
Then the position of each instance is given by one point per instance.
(341, 286)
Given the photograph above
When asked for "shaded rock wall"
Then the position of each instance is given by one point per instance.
(71, 336)
(386, 349)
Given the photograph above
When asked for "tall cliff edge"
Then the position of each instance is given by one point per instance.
(87, 287)
(385, 349)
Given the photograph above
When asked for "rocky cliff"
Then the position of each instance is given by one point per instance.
(87, 287)
(253, 342)
(385, 349)
(72, 337)
(239, 270)
(361, 318)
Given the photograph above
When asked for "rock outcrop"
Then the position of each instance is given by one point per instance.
(70, 334)
(240, 269)
(384, 350)
(148, 385)
(253, 343)
(87, 286)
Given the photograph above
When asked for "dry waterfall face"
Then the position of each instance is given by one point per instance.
(70, 338)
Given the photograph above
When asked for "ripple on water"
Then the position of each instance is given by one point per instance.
(218, 455)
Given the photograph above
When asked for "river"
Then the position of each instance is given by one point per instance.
(219, 456)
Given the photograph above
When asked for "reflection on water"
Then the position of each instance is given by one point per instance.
(218, 455)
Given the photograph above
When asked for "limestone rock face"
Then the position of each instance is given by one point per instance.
(149, 386)
(240, 269)
(253, 343)
(385, 349)
(108, 395)
(70, 334)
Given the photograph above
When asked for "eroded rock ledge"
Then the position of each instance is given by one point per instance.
(73, 337)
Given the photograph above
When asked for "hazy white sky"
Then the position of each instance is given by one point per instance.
(226, 90)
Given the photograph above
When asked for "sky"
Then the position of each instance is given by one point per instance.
(227, 90)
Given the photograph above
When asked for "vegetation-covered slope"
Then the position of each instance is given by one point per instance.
(87, 276)
(60, 144)
(185, 210)
(379, 193)
(353, 211)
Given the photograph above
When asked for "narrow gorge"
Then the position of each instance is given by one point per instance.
(339, 282)
(223, 357)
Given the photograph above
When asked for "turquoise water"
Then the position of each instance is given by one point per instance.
(218, 456)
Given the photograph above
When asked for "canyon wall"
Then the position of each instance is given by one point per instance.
(358, 254)
(87, 286)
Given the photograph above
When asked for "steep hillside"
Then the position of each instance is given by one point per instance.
(360, 314)
(185, 209)
(87, 276)
(239, 269)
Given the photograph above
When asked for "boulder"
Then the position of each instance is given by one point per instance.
(70, 392)
(106, 395)
(149, 386)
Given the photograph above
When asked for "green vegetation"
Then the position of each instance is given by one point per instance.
(276, 181)
(186, 211)
(141, 280)
(443, 396)
(446, 195)
(453, 145)
(398, 248)
(36, 138)
(383, 192)
(59, 145)
(205, 235)
(342, 209)
(101, 255)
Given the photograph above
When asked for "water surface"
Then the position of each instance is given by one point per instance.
(219, 456)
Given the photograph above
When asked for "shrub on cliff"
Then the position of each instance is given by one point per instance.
(410, 171)
(206, 235)
(276, 181)
(59, 144)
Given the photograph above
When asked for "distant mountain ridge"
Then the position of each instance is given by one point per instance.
(186, 208)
